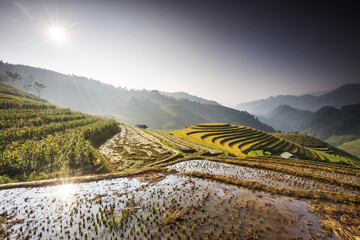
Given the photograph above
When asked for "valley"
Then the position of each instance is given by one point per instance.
(71, 175)
(181, 120)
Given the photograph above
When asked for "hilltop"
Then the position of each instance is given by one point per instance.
(184, 95)
(131, 106)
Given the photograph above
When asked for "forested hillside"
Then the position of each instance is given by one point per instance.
(132, 106)
(184, 95)
(286, 118)
(330, 121)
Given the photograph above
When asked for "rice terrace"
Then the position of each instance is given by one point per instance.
(178, 120)
(207, 181)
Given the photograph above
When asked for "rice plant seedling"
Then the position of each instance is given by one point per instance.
(166, 208)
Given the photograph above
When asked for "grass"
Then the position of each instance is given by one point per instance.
(9, 93)
(352, 147)
(337, 140)
(240, 141)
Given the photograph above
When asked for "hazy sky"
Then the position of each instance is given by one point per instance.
(222, 51)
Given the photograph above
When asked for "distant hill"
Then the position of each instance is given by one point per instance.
(261, 107)
(192, 98)
(329, 121)
(344, 95)
(285, 118)
(135, 107)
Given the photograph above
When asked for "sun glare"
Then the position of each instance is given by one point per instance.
(65, 191)
(57, 34)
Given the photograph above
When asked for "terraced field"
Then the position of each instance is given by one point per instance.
(172, 185)
(268, 177)
(39, 140)
(133, 147)
(183, 145)
(155, 206)
(243, 141)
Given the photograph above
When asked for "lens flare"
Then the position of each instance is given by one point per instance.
(57, 34)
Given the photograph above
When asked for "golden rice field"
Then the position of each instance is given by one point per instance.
(244, 141)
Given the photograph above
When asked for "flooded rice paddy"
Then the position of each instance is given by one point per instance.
(346, 177)
(154, 206)
(267, 177)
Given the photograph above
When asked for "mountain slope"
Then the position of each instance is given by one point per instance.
(285, 118)
(184, 95)
(344, 95)
(352, 147)
(39, 140)
(261, 107)
(329, 121)
(135, 107)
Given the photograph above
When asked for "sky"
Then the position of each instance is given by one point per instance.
(227, 51)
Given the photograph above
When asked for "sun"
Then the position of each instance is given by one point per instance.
(57, 34)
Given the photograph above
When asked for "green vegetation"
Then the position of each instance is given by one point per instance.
(246, 141)
(285, 118)
(337, 140)
(329, 121)
(303, 139)
(39, 140)
(259, 153)
(310, 141)
(352, 147)
(10, 93)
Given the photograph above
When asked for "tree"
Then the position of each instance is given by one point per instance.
(28, 87)
(13, 77)
(38, 87)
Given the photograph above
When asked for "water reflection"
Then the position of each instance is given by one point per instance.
(65, 192)
(127, 207)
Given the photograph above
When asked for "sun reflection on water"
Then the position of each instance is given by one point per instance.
(65, 192)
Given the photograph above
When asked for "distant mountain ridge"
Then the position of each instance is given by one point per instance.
(285, 118)
(330, 121)
(184, 95)
(344, 95)
(132, 106)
